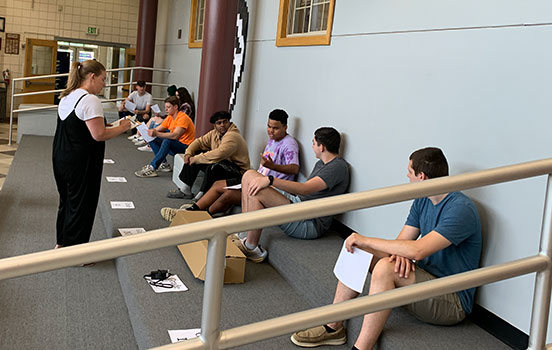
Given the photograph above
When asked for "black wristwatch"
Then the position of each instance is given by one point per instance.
(270, 180)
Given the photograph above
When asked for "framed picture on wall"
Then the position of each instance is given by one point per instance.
(2, 24)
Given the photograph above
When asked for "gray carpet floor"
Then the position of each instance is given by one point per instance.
(72, 308)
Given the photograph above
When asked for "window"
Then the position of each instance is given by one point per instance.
(305, 22)
(197, 20)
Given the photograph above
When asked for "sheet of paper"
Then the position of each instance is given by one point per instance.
(121, 205)
(352, 268)
(131, 231)
(155, 108)
(115, 179)
(184, 334)
(177, 285)
(235, 187)
(109, 161)
(132, 119)
(130, 106)
(144, 132)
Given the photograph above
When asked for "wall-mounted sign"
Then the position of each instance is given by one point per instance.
(92, 31)
(85, 55)
(12, 44)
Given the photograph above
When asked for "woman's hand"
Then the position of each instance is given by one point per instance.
(125, 124)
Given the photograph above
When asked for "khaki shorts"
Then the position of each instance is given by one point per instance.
(442, 310)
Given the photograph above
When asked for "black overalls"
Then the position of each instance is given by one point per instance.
(78, 164)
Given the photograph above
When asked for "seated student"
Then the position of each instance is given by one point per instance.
(143, 101)
(279, 159)
(186, 102)
(153, 123)
(180, 134)
(221, 153)
(450, 242)
(329, 177)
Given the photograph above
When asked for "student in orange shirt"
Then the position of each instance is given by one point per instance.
(180, 134)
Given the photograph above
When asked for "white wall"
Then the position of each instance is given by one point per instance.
(464, 76)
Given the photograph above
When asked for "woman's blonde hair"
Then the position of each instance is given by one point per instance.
(78, 73)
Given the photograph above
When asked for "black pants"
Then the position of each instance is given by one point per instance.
(222, 170)
(78, 185)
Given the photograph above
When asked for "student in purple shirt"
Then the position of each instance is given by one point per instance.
(280, 159)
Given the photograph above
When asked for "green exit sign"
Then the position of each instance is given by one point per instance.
(92, 31)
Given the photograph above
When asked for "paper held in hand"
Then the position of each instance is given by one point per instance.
(143, 129)
(157, 110)
(352, 268)
(133, 122)
(130, 106)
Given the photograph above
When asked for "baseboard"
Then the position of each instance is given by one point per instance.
(499, 328)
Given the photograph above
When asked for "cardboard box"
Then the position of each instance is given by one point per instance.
(195, 253)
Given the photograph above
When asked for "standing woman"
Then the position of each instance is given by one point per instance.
(78, 151)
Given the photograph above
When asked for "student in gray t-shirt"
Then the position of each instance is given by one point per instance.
(329, 177)
(143, 101)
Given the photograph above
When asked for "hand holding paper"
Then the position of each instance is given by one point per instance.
(352, 268)
(130, 106)
(143, 129)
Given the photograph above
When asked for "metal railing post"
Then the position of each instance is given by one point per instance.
(212, 294)
(130, 82)
(11, 114)
(541, 297)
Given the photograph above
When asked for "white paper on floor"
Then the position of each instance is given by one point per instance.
(131, 231)
(109, 161)
(115, 179)
(173, 281)
(121, 205)
(184, 334)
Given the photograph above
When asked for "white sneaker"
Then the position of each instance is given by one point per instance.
(147, 171)
(145, 148)
(256, 255)
(140, 143)
(133, 137)
(165, 167)
(138, 139)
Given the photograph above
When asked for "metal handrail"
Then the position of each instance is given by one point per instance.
(216, 231)
(38, 77)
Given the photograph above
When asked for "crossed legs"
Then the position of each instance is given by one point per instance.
(265, 198)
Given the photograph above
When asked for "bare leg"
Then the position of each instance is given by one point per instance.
(342, 293)
(384, 278)
(212, 195)
(265, 198)
(225, 201)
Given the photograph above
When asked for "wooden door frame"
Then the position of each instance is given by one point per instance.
(28, 67)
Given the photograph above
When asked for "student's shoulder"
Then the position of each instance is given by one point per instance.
(289, 140)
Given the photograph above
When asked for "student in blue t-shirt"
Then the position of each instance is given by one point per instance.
(441, 237)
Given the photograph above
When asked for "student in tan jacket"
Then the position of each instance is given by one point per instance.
(221, 153)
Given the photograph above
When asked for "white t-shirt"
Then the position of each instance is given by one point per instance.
(141, 102)
(88, 108)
